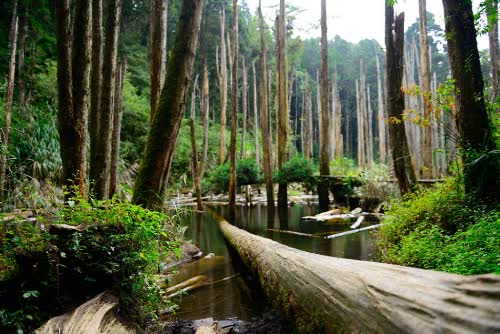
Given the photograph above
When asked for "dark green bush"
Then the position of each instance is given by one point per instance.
(119, 248)
(247, 172)
(439, 229)
(297, 169)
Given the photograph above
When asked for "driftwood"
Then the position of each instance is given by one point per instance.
(333, 295)
(96, 316)
(336, 235)
(292, 232)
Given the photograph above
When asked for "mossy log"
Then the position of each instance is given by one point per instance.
(333, 295)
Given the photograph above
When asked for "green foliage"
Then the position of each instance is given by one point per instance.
(374, 183)
(247, 172)
(119, 248)
(343, 167)
(438, 229)
(297, 169)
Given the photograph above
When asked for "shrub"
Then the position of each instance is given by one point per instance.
(343, 167)
(438, 229)
(247, 172)
(374, 183)
(119, 248)
(297, 169)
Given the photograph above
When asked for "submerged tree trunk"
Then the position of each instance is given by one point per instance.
(222, 76)
(349, 296)
(394, 40)
(234, 113)
(264, 113)
(425, 83)
(9, 92)
(103, 155)
(255, 116)
(476, 139)
(150, 181)
(117, 125)
(204, 114)
(324, 154)
(282, 105)
(96, 87)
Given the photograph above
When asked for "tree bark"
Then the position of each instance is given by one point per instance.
(307, 119)
(222, 76)
(103, 155)
(96, 86)
(369, 123)
(157, 27)
(476, 138)
(324, 147)
(264, 112)
(150, 181)
(9, 92)
(234, 113)
(244, 105)
(255, 116)
(194, 153)
(204, 111)
(425, 83)
(492, 10)
(117, 124)
(350, 296)
(394, 41)
(282, 105)
(380, 115)
(23, 32)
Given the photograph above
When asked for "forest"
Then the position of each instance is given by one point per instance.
(215, 166)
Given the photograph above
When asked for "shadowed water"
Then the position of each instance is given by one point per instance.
(233, 297)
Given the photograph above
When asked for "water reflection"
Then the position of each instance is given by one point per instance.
(233, 298)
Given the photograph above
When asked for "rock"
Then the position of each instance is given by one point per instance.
(208, 329)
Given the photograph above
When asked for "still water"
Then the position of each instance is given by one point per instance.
(233, 297)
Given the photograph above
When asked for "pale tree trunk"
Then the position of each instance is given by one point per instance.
(244, 105)
(204, 111)
(492, 9)
(229, 59)
(362, 133)
(317, 137)
(282, 105)
(234, 113)
(370, 127)
(255, 116)
(194, 153)
(103, 155)
(117, 125)
(156, 46)
(324, 147)
(380, 115)
(264, 113)
(163, 68)
(9, 92)
(480, 170)
(150, 181)
(394, 40)
(337, 112)
(222, 77)
(23, 31)
(425, 83)
(95, 87)
(307, 119)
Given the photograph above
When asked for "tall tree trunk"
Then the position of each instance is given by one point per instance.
(425, 83)
(394, 41)
(23, 32)
(117, 125)
(194, 153)
(336, 115)
(222, 76)
(204, 111)
(103, 155)
(264, 112)
(380, 115)
(244, 105)
(234, 113)
(150, 181)
(163, 68)
(282, 105)
(476, 139)
(307, 119)
(255, 116)
(96, 86)
(156, 46)
(9, 92)
(324, 154)
(369, 122)
(492, 10)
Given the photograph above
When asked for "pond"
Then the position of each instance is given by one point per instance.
(233, 297)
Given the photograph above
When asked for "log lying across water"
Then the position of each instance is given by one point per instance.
(333, 295)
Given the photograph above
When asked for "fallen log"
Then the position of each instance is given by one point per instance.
(96, 316)
(333, 295)
(292, 232)
(358, 222)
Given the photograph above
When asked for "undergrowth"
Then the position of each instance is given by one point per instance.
(439, 228)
